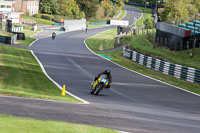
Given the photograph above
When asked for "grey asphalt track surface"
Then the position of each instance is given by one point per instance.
(134, 103)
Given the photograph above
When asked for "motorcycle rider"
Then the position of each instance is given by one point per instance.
(106, 72)
(53, 35)
(86, 29)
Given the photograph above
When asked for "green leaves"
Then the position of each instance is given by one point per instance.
(49, 6)
(175, 9)
(80, 8)
(148, 23)
(70, 8)
(111, 7)
(89, 7)
(61, 7)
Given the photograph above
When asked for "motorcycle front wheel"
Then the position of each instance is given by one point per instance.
(97, 90)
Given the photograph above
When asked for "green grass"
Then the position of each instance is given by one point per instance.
(27, 27)
(95, 26)
(105, 38)
(11, 124)
(118, 58)
(147, 14)
(21, 75)
(26, 42)
(29, 39)
(181, 58)
(4, 33)
(29, 33)
(122, 14)
(94, 43)
(39, 20)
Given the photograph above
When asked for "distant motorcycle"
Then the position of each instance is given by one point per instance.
(53, 35)
(99, 84)
(86, 30)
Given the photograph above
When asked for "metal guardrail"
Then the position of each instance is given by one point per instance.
(181, 72)
(8, 40)
(170, 29)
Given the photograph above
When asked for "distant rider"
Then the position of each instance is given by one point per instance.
(106, 72)
(86, 29)
(53, 35)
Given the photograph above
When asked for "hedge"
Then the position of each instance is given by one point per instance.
(44, 16)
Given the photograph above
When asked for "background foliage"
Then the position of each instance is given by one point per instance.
(80, 8)
(173, 9)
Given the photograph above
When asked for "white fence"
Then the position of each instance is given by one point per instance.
(75, 24)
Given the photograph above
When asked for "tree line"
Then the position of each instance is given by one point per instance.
(173, 9)
(80, 8)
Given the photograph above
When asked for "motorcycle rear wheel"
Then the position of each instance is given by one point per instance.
(91, 91)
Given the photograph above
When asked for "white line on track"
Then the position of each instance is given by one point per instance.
(44, 71)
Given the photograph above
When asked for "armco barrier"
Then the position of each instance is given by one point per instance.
(8, 40)
(175, 70)
(2, 39)
(17, 29)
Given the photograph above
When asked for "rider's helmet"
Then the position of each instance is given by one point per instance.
(107, 72)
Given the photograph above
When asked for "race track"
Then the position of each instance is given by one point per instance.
(134, 103)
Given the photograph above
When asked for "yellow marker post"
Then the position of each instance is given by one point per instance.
(63, 90)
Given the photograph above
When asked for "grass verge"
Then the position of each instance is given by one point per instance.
(181, 58)
(106, 39)
(10, 124)
(21, 75)
(39, 20)
(122, 14)
(94, 43)
(4, 33)
(27, 27)
(26, 42)
(146, 14)
(29, 39)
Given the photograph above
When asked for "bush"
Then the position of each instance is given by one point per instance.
(39, 20)
(46, 16)
(59, 17)
(37, 15)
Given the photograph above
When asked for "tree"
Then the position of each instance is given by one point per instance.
(49, 6)
(138, 1)
(111, 7)
(174, 9)
(148, 24)
(89, 7)
(70, 8)
(196, 3)
(107, 5)
(192, 9)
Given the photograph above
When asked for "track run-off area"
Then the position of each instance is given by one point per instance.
(134, 103)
